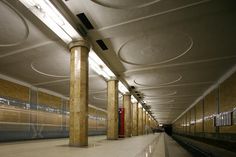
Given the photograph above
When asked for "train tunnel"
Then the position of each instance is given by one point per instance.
(130, 78)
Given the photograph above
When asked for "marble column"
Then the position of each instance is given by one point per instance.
(127, 107)
(144, 122)
(78, 134)
(135, 119)
(140, 121)
(112, 109)
(148, 124)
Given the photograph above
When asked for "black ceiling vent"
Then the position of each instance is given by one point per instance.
(85, 21)
(132, 87)
(102, 45)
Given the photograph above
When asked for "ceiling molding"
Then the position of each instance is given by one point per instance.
(141, 69)
(180, 96)
(143, 37)
(46, 74)
(153, 15)
(125, 7)
(162, 84)
(151, 103)
(57, 81)
(97, 108)
(105, 98)
(50, 82)
(178, 85)
(97, 91)
(26, 49)
(25, 37)
(162, 95)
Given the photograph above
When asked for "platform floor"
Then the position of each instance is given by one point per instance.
(174, 149)
(152, 145)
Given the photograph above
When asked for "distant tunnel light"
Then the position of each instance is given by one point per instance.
(50, 16)
(122, 88)
(99, 66)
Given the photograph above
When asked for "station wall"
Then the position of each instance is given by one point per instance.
(26, 113)
(212, 117)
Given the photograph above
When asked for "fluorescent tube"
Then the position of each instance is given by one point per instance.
(99, 66)
(122, 88)
(51, 17)
(133, 99)
(139, 105)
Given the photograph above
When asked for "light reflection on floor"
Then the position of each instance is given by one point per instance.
(149, 149)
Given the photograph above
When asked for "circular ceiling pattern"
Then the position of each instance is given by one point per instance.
(97, 84)
(157, 80)
(125, 4)
(171, 93)
(59, 67)
(14, 29)
(155, 48)
(103, 97)
(159, 101)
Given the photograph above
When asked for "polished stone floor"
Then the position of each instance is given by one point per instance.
(152, 145)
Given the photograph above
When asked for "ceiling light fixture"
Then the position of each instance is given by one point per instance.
(139, 105)
(51, 17)
(99, 66)
(133, 99)
(122, 88)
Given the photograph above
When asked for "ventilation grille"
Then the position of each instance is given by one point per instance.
(85, 21)
(102, 45)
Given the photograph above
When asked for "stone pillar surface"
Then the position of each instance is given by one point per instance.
(78, 134)
(112, 109)
(144, 122)
(135, 120)
(140, 121)
(127, 107)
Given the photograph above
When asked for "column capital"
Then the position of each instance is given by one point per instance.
(127, 94)
(113, 79)
(79, 43)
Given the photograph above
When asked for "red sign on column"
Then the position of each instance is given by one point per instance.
(121, 122)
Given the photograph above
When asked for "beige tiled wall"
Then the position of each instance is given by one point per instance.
(15, 91)
(199, 117)
(228, 100)
(50, 100)
(210, 108)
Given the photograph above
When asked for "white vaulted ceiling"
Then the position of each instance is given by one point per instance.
(171, 51)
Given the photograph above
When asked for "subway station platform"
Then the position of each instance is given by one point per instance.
(139, 146)
(97, 70)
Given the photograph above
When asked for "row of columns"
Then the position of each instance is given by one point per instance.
(136, 120)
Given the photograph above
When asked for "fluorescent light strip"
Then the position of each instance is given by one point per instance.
(122, 88)
(139, 105)
(50, 16)
(99, 66)
(133, 99)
